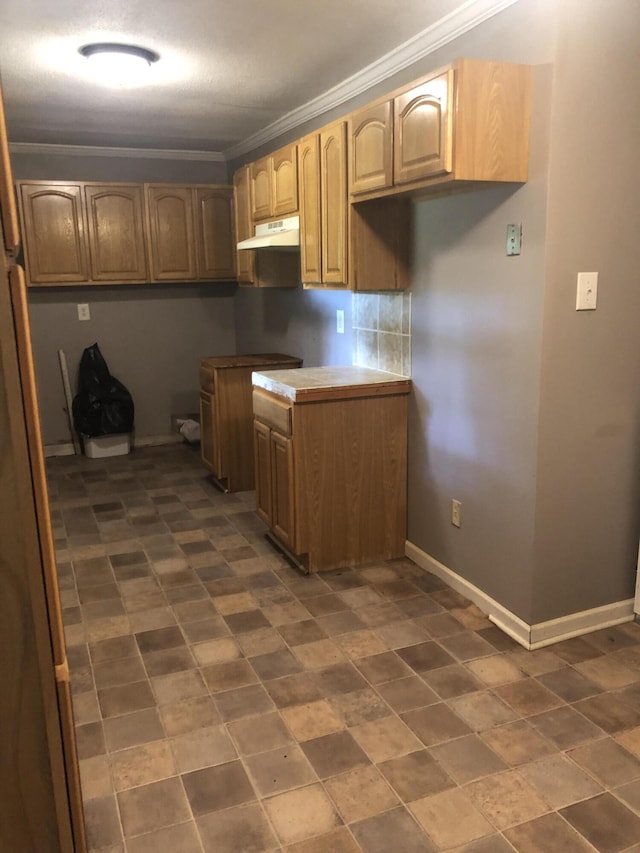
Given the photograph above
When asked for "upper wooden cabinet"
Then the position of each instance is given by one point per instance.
(54, 233)
(462, 126)
(322, 169)
(245, 260)
(274, 184)
(172, 250)
(116, 233)
(215, 239)
(90, 233)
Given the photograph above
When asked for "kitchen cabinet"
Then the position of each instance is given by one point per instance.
(91, 233)
(331, 463)
(172, 251)
(116, 232)
(226, 440)
(456, 129)
(215, 239)
(245, 260)
(274, 184)
(53, 224)
(322, 168)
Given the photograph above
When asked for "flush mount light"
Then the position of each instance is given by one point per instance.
(119, 65)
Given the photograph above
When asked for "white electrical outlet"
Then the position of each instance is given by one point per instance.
(587, 295)
(456, 513)
(83, 311)
(340, 322)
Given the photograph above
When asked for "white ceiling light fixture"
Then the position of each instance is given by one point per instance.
(119, 66)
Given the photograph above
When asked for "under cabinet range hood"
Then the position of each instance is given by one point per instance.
(282, 235)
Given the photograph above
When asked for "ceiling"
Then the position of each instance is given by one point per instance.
(232, 73)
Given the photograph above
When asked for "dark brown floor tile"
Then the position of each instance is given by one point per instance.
(415, 775)
(611, 639)
(114, 673)
(340, 623)
(629, 794)
(565, 727)
(275, 665)
(605, 822)
(559, 781)
(467, 758)
(425, 656)
(333, 754)
(102, 822)
(360, 706)
(609, 711)
(397, 589)
(293, 690)
(189, 715)
(260, 734)
(547, 833)
(150, 807)
(385, 738)
(228, 676)
(183, 594)
(499, 640)
(528, 697)
(113, 649)
(452, 681)
(380, 614)
(194, 611)
(280, 770)
(517, 743)
(575, 650)
(383, 667)
(297, 633)
(183, 837)
(420, 605)
(607, 761)
(339, 678)
(129, 559)
(219, 787)
(435, 724)
(449, 598)
(239, 828)
(405, 694)
(133, 729)
(234, 704)
(90, 740)
(343, 579)
(178, 686)
(126, 698)
(569, 684)
(93, 594)
(169, 660)
(380, 834)
(205, 629)
(324, 604)
(467, 646)
(250, 620)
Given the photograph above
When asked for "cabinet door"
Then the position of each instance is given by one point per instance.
(245, 260)
(284, 182)
(333, 194)
(262, 457)
(54, 235)
(261, 189)
(422, 128)
(371, 148)
(309, 188)
(215, 238)
(116, 232)
(208, 434)
(282, 502)
(171, 231)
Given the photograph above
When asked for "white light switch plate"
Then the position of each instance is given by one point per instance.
(587, 294)
(83, 311)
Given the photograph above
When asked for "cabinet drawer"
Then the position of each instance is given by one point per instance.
(273, 412)
(206, 380)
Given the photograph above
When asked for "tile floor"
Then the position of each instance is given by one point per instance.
(226, 703)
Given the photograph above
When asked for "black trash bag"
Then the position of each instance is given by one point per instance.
(102, 406)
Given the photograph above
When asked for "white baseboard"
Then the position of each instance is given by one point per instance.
(530, 636)
(66, 449)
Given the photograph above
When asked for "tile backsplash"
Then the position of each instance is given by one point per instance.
(381, 325)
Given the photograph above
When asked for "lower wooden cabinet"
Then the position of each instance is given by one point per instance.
(331, 464)
(226, 415)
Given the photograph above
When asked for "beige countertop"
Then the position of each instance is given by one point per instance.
(317, 383)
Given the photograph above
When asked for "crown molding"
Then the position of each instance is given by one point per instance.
(450, 27)
(96, 151)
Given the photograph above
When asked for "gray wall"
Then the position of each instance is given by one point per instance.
(296, 322)
(152, 336)
(588, 474)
